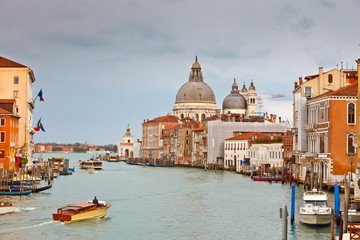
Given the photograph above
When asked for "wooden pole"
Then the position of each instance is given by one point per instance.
(284, 216)
(332, 225)
(346, 206)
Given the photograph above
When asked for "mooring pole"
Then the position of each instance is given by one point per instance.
(252, 170)
(332, 225)
(284, 216)
(292, 202)
(337, 200)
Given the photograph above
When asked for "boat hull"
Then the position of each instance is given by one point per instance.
(66, 218)
(6, 210)
(315, 219)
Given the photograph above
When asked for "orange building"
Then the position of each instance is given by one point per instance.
(9, 129)
(331, 132)
(152, 145)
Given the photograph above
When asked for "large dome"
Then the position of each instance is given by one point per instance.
(193, 92)
(234, 100)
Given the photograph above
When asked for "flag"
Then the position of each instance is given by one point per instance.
(42, 128)
(39, 126)
(40, 95)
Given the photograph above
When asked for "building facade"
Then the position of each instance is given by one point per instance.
(16, 82)
(9, 138)
(126, 147)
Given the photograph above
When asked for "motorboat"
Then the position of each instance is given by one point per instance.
(315, 210)
(6, 207)
(95, 164)
(81, 211)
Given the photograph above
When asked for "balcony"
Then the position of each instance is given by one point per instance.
(310, 127)
(31, 103)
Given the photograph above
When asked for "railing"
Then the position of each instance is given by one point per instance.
(354, 230)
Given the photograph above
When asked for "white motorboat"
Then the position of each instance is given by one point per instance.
(6, 207)
(315, 210)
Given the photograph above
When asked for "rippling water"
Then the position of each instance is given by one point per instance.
(158, 203)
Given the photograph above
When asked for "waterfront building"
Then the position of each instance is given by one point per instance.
(268, 154)
(254, 148)
(288, 146)
(218, 131)
(199, 145)
(311, 121)
(9, 139)
(152, 136)
(16, 82)
(331, 132)
(315, 85)
(126, 147)
(195, 99)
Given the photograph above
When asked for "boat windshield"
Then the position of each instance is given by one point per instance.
(316, 203)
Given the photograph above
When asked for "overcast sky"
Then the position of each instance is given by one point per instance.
(105, 64)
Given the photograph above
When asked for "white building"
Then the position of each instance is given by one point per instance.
(266, 153)
(125, 149)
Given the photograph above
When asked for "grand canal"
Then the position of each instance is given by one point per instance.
(158, 203)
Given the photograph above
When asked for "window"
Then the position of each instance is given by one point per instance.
(351, 113)
(2, 121)
(182, 116)
(2, 137)
(2, 154)
(330, 78)
(16, 80)
(350, 143)
(16, 93)
(129, 141)
(308, 92)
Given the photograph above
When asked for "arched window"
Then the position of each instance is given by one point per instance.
(351, 113)
(350, 144)
(202, 117)
(330, 78)
(182, 116)
(197, 117)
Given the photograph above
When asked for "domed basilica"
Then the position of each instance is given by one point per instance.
(196, 100)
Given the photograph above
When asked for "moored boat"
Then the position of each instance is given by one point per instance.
(6, 207)
(315, 210)
(81, 211)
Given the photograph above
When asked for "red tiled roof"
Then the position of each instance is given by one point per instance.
(4, 62)
(249, 135)
(168, 118)
(3, 111)
(6, 100)
(351, 90)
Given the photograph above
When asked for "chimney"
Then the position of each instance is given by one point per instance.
(321, 70)
(279, 119)
(296, 85)
(271, 117)
(300, 80)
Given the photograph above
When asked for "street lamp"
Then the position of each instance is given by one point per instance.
(351, 162)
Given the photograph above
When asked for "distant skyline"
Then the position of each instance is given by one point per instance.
(105, 64)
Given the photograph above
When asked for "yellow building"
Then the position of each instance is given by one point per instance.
(16, 83)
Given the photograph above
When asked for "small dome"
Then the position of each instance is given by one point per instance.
(251, 88)
(243, 90)
(234, 100)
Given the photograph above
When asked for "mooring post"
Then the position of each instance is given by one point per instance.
(336, 201)
(332, 225)
(252, 171)
(290, 177)
(346, 206)
(292, 202)
(284, 216)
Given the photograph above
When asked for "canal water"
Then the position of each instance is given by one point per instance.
(158, 203)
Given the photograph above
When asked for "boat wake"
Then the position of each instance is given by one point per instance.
(27, 227)
(24, 209)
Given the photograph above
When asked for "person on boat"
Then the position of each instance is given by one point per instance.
(95, 201)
